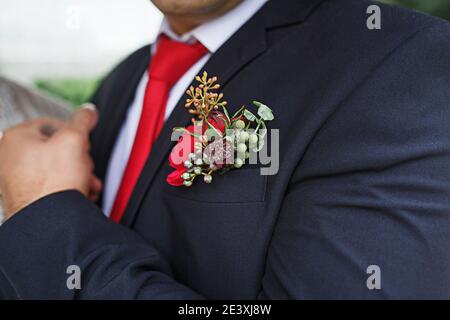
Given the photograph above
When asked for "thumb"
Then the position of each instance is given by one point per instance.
(84, 119)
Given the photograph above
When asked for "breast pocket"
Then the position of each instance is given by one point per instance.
(235, 186)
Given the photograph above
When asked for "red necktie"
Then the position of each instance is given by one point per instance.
(170, 62)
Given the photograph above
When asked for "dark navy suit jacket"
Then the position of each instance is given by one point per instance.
(364, 179)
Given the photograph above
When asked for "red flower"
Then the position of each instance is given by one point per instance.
(185, 146)
(218, 120)
(174, 179)
(180, 154)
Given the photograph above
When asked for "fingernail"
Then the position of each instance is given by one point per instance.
(1, 135)
(89, 106)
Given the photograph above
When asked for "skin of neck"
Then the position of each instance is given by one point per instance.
(181, 24)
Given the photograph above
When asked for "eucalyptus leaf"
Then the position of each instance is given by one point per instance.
(264, 111)
(225, 111)
(238, 112)
(257, 103)
(249, 115)
(262, 130)
(211, 132)
(213, 128)
(181, 129)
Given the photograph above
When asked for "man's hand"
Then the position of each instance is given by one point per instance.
(34, 163)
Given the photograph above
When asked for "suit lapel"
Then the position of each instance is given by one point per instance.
(245, 46)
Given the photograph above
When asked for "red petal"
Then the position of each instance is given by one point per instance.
(180, 152)
(174, 179)
(218, 120)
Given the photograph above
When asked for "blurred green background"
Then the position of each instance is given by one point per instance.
(77, 91)
(439, 8)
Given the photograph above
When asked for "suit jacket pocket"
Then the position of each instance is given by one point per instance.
(234, 186)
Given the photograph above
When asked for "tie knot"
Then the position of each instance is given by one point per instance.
(172, 59)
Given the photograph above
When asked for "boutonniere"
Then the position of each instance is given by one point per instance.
(215, 141)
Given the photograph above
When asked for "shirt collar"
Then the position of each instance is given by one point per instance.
(213, 34)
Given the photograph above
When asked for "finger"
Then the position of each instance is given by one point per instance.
(48, 128)
(84, 119)
(44, 127)
(30, 131)
(37, 128)
(95, 189)
(96, 184)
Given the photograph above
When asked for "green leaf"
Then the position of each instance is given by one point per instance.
(211, 132)
(262, 131)
(264, 111)
(213, 128)
(257, 103)
(225, 111)
(238, 112)
(225, 122)
(181, 129)
(249, 115)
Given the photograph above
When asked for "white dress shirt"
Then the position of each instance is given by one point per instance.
(212, 35)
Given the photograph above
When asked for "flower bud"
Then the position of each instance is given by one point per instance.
(253, 139)
(244, 136)
(208, 178)
(238, 163)
(185, 176)
(187, 183)
(241, 148)
(239, 124)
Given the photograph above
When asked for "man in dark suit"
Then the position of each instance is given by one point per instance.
(360, 207)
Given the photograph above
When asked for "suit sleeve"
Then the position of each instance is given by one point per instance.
(65, 229)
(373, 189)
(376, 192)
